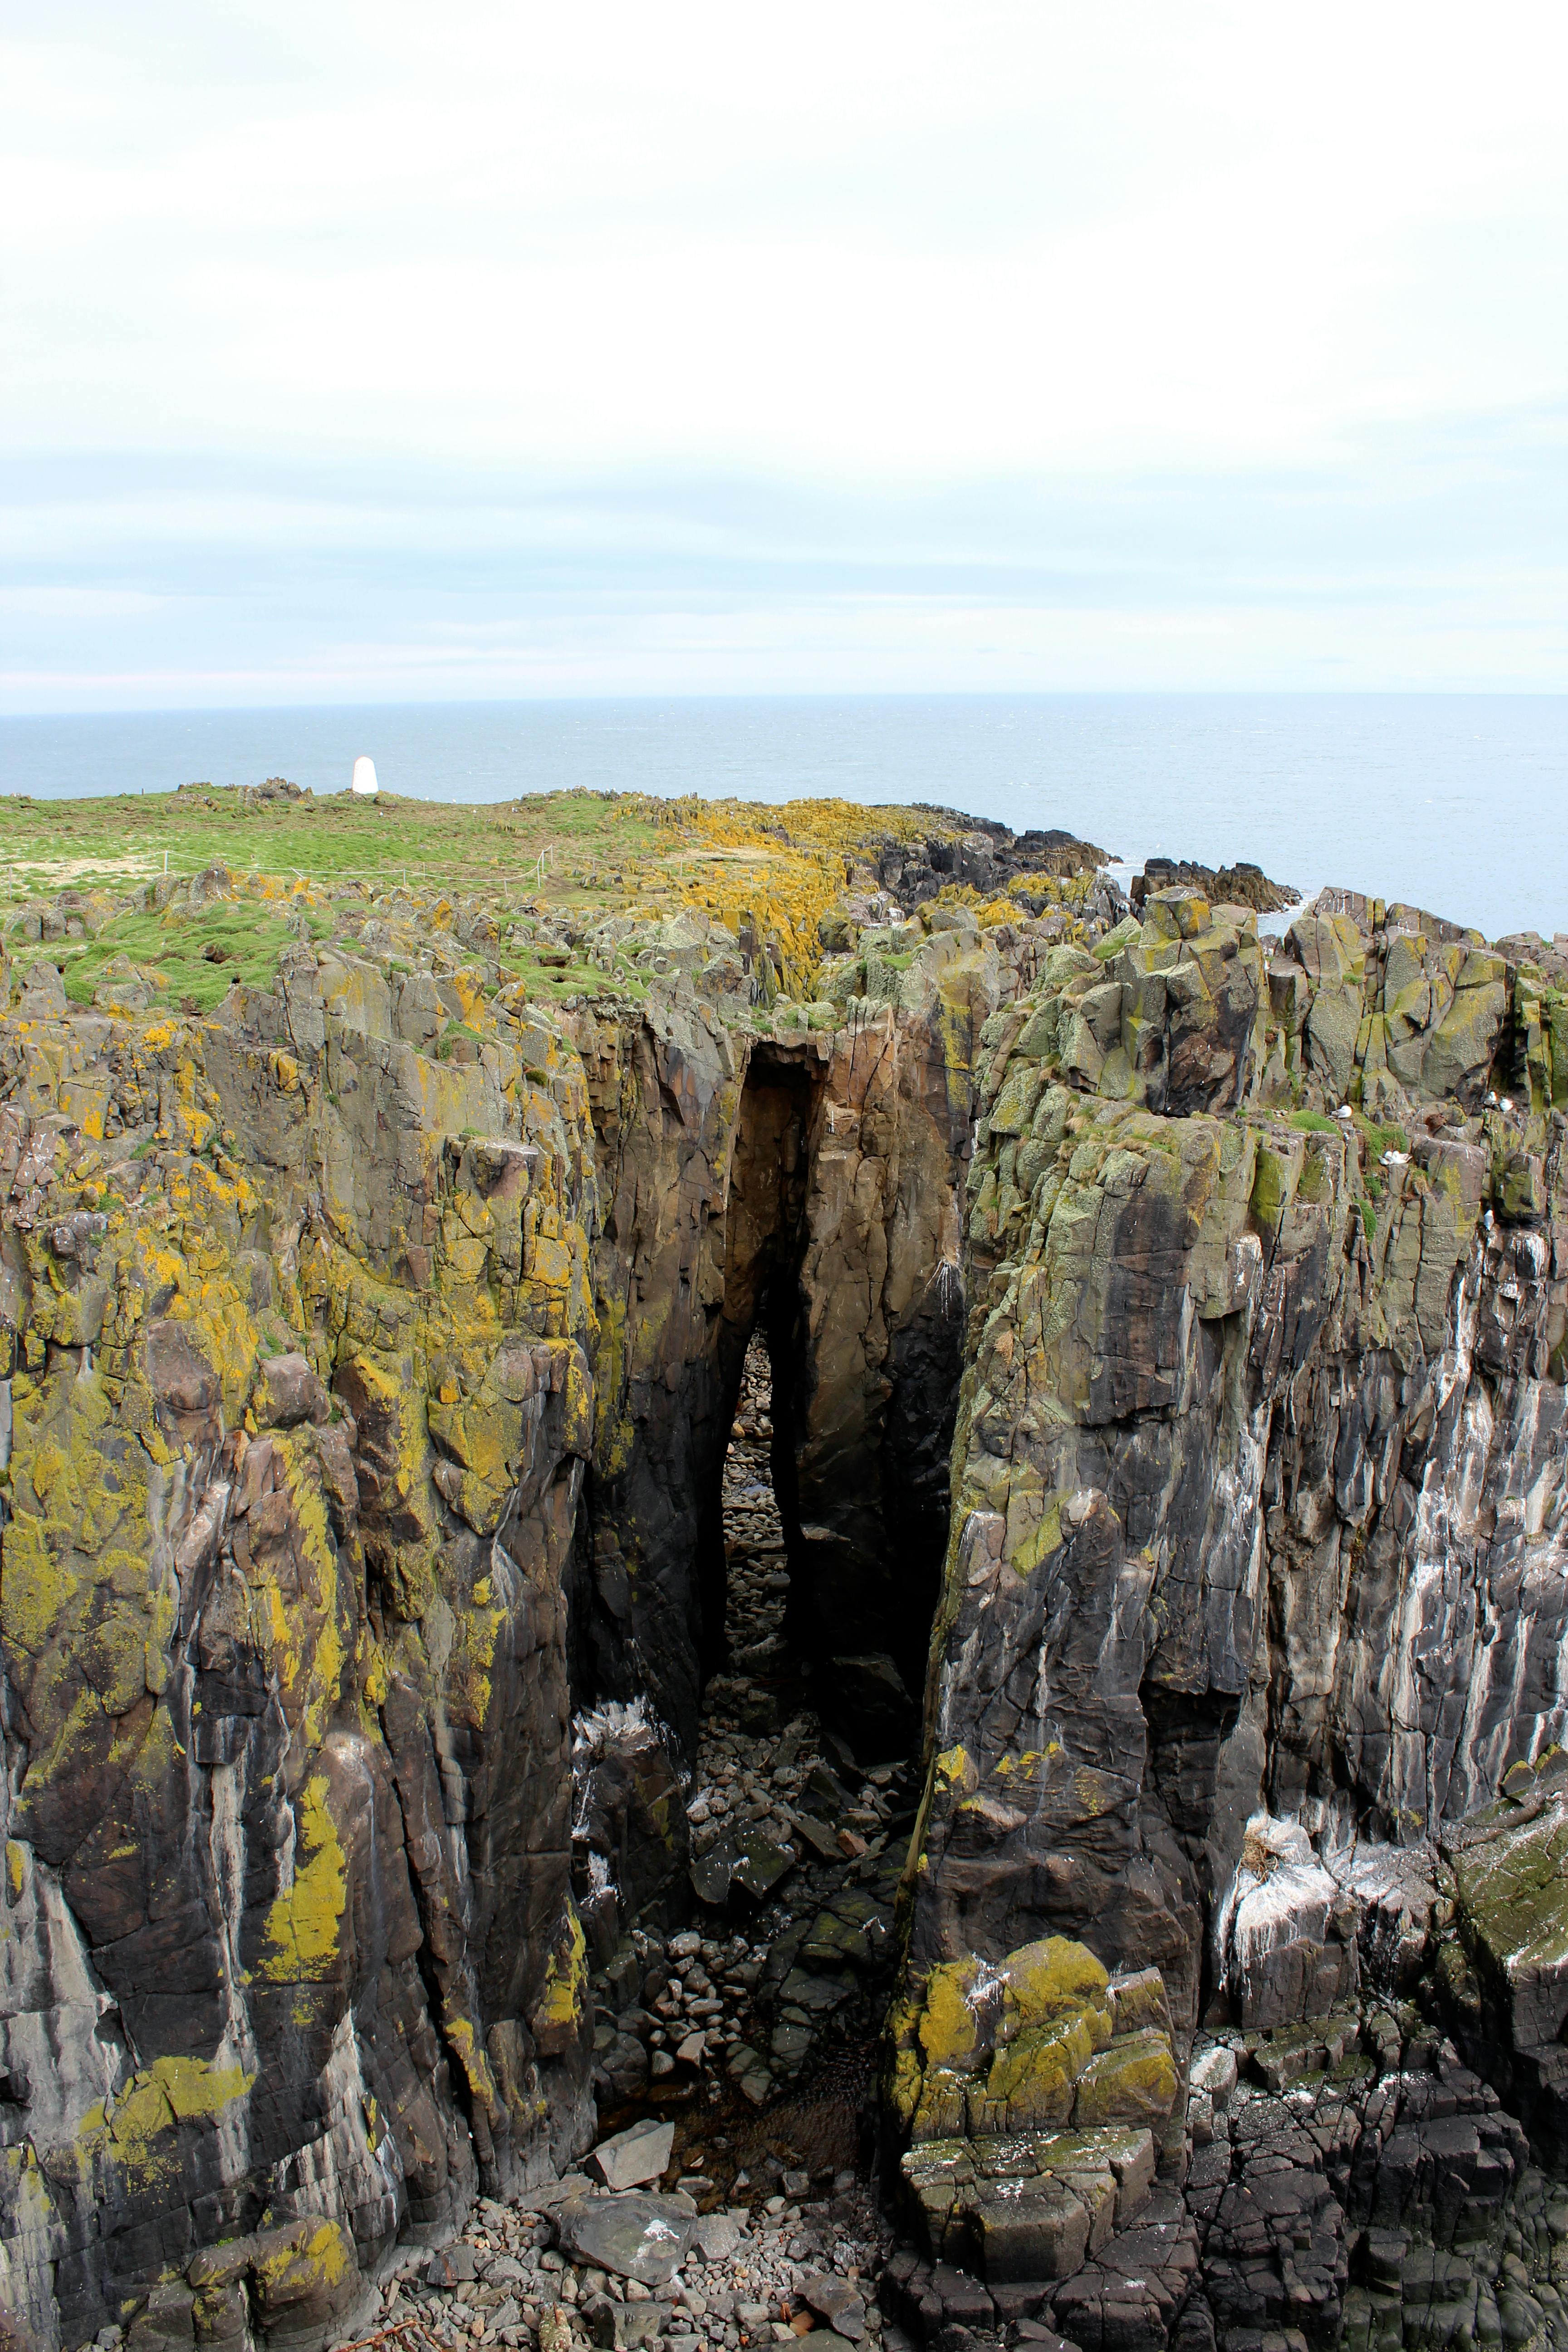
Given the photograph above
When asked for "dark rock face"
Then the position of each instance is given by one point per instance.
(295, 1432)
(987, 859)
(358, 1430)
(814, 1182)
(1174, 1318)
(1241, 885)
(1247, 1623)
(1253, 1377)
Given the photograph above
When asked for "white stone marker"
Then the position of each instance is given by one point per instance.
(365, 775)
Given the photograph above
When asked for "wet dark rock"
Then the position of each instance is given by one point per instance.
(837, 2301)
(868, 1695)
(634, 2235)
(632, 2157)
(762, 1862)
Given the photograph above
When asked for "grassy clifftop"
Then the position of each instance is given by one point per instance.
(106, 884)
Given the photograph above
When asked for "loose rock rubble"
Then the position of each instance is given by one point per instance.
(577, 2263)
(794, 1859)
(1381, 2198)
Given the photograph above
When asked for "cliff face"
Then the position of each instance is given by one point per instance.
(1255, 1588)
(821, 1171)
(358, 1335)
(1173, 1317)
(1257, 1483)
(299, 1418)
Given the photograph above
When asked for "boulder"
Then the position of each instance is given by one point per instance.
(633, 2157)
(43, 994)
(288, 1393)
(618, 2327)
(837, 2301)
(634, 2235)
(716, 2236)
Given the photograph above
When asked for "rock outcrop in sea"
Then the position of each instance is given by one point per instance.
(918, 1535)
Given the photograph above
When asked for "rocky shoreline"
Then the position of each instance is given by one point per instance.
(906, 1552)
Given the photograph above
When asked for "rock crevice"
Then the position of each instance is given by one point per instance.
(1166, 1424)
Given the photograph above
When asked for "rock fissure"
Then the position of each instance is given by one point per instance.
(941, 1594)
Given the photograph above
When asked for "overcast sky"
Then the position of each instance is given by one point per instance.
(358, 351)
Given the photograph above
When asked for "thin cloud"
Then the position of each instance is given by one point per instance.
(533, 349)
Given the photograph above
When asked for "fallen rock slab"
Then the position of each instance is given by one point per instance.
(634, 2155)
(837, 2301)
(618, 2327)
(450, 2266)
(634, 2235)
(716, 2236)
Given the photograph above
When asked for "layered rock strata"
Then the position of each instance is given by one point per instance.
(1173, 1311)
(1256, 1589)
(363, 1337)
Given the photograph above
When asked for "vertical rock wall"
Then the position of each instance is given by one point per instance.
(825, 1171)
(371, 1347)
(1258, 1582)
(297, 1407)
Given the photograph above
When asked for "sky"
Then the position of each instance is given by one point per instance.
(359, 352)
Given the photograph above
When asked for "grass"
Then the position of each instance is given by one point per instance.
(579, 854)
(341, 839)
(170, 949)
(596, 846)
(1379, 1139)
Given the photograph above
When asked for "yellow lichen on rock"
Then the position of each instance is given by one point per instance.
(1011, 2048)
(558, 2015)
(1134, 2080)
(302, 1943)
(951, 2031)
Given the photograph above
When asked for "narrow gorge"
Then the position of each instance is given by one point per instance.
(784, 1575)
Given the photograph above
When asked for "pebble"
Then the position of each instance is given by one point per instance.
(739, 2282)
(783, 1816)
(702, 2005)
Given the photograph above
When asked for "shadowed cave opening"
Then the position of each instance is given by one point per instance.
(855, 1444)
(746, 2000)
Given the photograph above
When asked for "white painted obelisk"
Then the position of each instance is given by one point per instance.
(365, 775)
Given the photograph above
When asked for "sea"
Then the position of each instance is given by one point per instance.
(1456, 802)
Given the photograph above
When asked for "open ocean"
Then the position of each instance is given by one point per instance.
(1456, 802)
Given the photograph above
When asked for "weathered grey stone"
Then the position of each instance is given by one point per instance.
(634, 2155)
(716, 2235)
(1215, 2071)
(617, 2327)
(288, 1393)
(634, 2235)
(837, 2301)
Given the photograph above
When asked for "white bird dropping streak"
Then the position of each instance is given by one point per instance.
(364, 775)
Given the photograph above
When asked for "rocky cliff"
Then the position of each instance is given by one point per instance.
(1166, 1329)
(1252, 1629)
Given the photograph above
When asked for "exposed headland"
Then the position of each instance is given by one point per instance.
(766, 1571)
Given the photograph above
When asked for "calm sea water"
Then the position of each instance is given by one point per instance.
(1456, 802)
